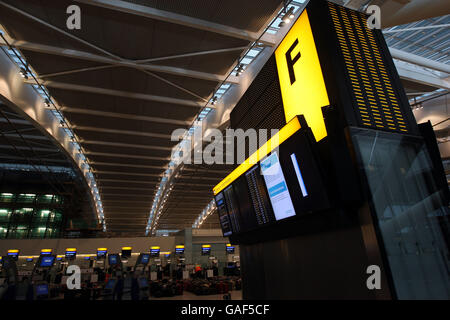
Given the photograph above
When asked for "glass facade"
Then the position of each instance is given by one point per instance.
(411, 214)
(30, 215)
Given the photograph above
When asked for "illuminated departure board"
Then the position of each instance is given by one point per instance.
(233, 209)
(223, 215)
(377, 103)
(262, 208)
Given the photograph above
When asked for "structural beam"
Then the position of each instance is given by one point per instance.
(418, 60)
(125, 145)
(166, 16)
(101, 188)
(81, 55)
(412, 74)
(118, 195)
(115, 164)
(192, 54)
(127, 156)
(138, 174)
(127, 132)
(125, 181)
(125, 116)
(118, 93)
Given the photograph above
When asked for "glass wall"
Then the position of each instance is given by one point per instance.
(30, 215)
(412, 216)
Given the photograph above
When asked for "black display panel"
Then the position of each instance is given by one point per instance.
(155, 252)
(71, 255)
(233, 209)
(101, 254)
(303, 175)
(258, 194)
(247, 213)
(270, 197)
(14, 255)
(179, 250)
(206, 250)
(126, 253)
(223, 215)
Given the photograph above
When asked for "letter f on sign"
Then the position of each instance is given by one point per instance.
(291, 61)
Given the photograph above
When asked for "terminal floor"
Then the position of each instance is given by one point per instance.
(235, 295)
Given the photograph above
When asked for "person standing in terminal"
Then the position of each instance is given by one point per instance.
(134, 288)
(118, 289)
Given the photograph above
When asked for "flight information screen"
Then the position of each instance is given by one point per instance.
(154, 252)
(233, 209)
(247, 213)
(71, 254)
(258, 196)
(282, 187)
(276, 186)
(223, 215)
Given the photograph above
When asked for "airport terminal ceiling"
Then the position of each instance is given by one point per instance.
(137, 70)
(124, 111)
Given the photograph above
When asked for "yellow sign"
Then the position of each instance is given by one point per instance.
(155, 248)
(288, 130)
(180, 246)
(127, 248)
(301, 80)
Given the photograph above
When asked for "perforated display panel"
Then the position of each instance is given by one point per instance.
(261, 106)
(377, 103)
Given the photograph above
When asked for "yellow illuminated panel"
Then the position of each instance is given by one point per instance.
(71, 249)
(206, 246)
(301, 80)
(228, 244)
(288, 130)
(102, 249)
(13, 251)
(179, 247)
(155, 248)
(46, 250)
(127, 248)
